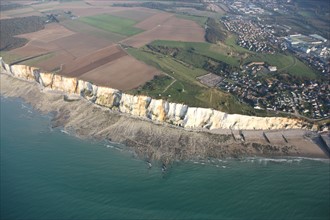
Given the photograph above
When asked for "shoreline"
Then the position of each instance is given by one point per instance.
(157, 141)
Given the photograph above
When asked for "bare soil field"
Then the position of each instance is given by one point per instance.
(125, 73)
(154, 21)
(31, 13)
(137, 14)
(19, 12)
(89, 11)
(76, 44)
(80, 50)
(29, 50)
(80, 27)
(51, 32)
(166, 27)
(80, 44)
(93, 60)
(56, 61)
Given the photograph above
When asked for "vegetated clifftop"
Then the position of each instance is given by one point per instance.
(155, 109)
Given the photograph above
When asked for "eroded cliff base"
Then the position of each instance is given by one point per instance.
(157, 141)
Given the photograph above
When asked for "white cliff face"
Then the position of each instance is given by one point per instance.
(87, 90)
(46, 79)
(176, 113)
(65, 84)
(198, 118)
(154, 109)
(23, 72)
(158, 110)
(135, 105)
(108, 97)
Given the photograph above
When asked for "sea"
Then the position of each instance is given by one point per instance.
(48, 173)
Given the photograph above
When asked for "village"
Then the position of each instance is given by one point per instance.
(310, 98)
(251, 34)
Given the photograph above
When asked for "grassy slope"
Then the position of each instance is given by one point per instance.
(113, 24)
(200, 48)
(186, 89)
(285, 63)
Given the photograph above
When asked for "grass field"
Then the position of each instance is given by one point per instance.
(122, 26)
(9, 57)
(231, 42)
(202, 49)
(186, 89)
(36, 60)
(285, 63)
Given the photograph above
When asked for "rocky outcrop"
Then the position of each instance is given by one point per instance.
(154, 109)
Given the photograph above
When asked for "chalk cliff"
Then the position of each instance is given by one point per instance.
(146, 107)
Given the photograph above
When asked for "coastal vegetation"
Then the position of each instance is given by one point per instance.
(181, 85)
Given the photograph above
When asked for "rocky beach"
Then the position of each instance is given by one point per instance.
(154, 140)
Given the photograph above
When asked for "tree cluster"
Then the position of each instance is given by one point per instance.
(16, 26)
(214, 32)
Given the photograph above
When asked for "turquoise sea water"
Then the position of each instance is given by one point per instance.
(48, 174)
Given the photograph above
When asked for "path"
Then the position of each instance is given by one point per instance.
(174, 80)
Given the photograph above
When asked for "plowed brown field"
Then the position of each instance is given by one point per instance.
(165, 26)
(77, 49)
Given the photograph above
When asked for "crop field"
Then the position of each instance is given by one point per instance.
(135, 14)
(166, 27)
(113, 24)
(51, 32)
(119, 74)
(81, 27)
(86, 46)
(198, 19)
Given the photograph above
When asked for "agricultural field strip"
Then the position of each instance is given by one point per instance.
(142, 33)
(98, 63)
(113, 24)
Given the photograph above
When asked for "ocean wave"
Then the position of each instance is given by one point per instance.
(264, 160)
(65, 132)
(113, 147)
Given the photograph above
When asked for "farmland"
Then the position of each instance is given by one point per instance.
(84, 41)
(164, 26)
(113, 24)
(154, 52)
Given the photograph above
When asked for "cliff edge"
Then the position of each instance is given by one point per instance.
(154, 109)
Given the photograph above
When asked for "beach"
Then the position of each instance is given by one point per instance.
(150, 140)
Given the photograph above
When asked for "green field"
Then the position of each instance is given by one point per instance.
(122, 26)
(231, 42)
(185, 89)
(82, 27)
(285, 63)
(9, 57)
(34, 61)
(202, 49)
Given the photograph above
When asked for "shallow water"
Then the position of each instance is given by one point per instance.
(48, 174)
